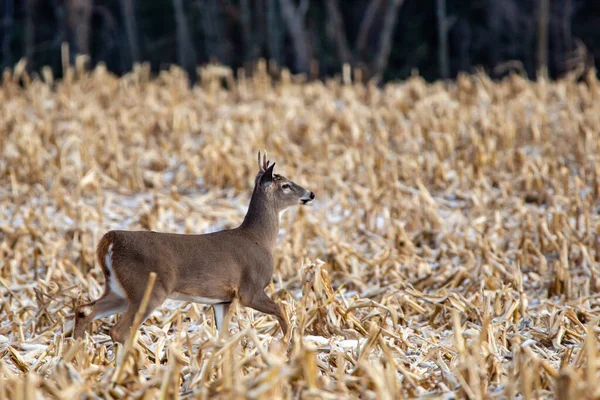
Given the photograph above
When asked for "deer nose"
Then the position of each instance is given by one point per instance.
(308, 197)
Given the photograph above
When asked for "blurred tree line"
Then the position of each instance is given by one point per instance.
(387, 39)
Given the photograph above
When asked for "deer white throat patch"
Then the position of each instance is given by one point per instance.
(113, 281)
(281, 213)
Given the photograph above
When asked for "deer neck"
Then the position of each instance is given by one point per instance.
(262, 220)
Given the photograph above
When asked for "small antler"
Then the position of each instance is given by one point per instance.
(263, 163)
(260, 166)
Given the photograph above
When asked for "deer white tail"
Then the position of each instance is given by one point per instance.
(105, 258)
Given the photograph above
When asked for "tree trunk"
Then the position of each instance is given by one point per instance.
(109, 28)
(215, 40)
(387, 34)
(30, 7)
(7, 23)
(442, 39)
(337, 22)
(186, 56)
(294, 20)
(246, 25)
(207, 22)
(462, 42)
(365, 27)
(79, 14)
(131, 29)
(567, 30)
(567, 34)
(274, 32)
(258, 39)
(542, 54)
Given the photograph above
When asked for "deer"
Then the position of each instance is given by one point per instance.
(211, 268)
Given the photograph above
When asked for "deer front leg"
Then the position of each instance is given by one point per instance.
(263, 303)
(221, 311)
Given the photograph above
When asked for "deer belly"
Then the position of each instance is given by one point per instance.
(194, 299)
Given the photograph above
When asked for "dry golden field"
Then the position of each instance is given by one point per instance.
(453, 250)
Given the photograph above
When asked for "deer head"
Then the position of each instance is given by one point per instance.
(279, 190)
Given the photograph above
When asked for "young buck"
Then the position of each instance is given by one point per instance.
(211, 269)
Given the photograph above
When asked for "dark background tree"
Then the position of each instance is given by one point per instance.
(387, 39)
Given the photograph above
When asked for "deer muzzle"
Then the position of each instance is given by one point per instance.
(308, 197)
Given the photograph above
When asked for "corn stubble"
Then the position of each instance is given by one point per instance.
(453, 251)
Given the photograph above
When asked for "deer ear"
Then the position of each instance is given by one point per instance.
(267, 177)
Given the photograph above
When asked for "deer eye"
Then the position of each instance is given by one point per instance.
(285, 186)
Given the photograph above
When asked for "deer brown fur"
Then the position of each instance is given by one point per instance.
(210, 268)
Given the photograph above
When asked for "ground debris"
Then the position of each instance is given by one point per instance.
(453, 249)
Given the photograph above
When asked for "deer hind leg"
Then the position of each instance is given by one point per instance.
(110, 303)
(263, 303)
(120, 331)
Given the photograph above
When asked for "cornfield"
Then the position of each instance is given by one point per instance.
(453, 250)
